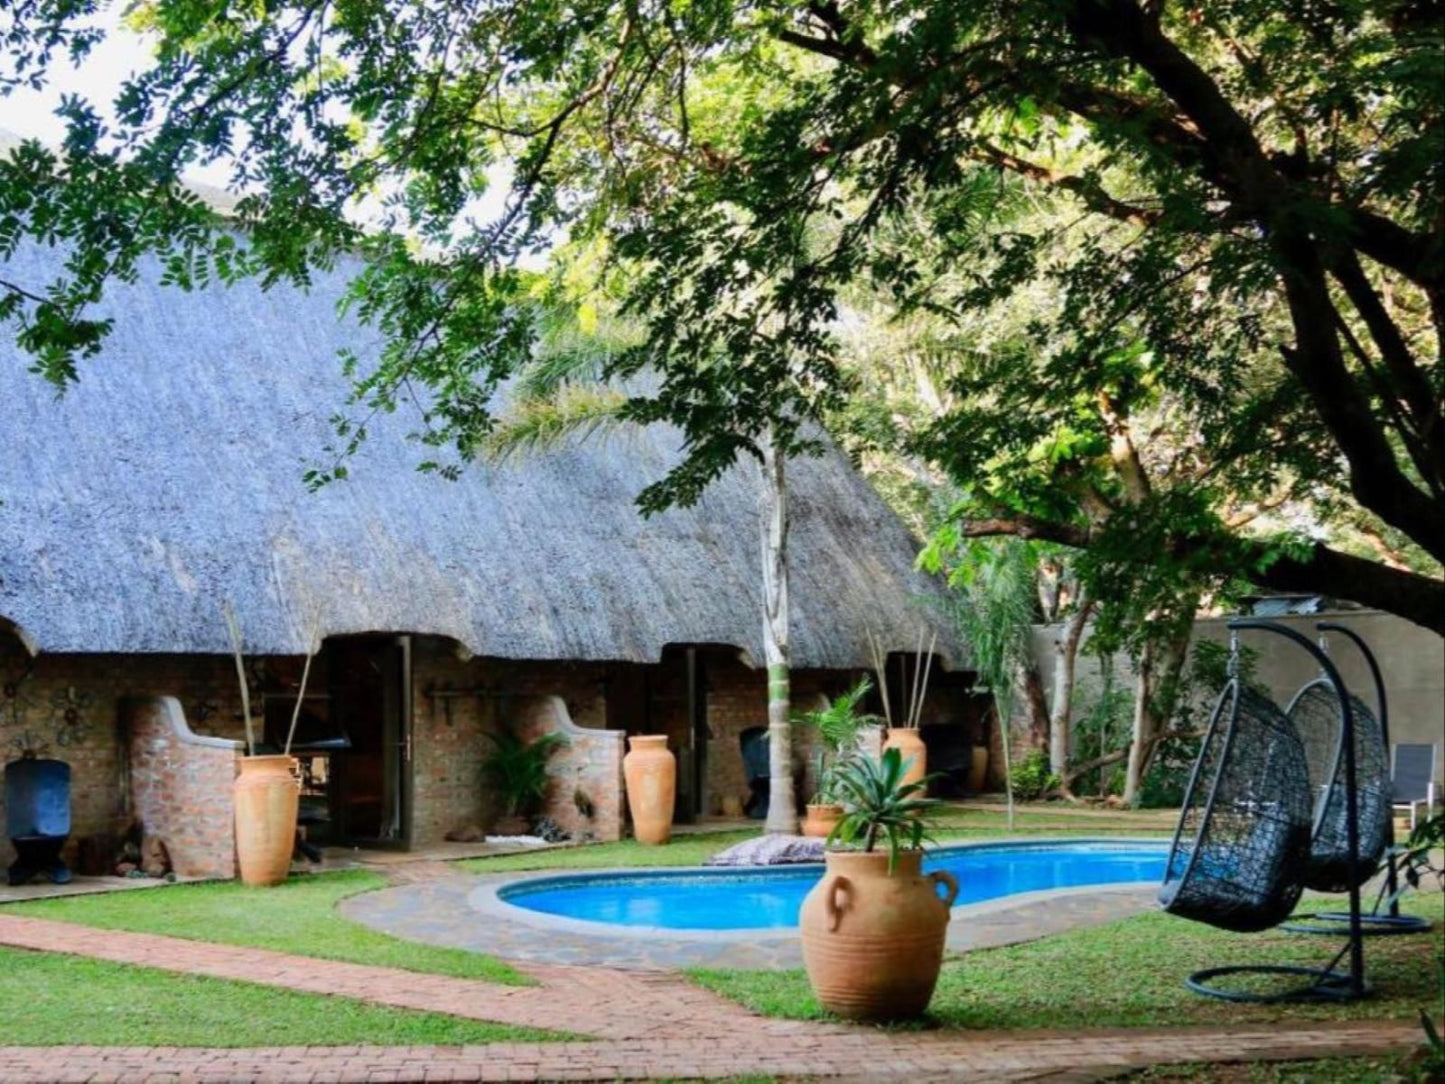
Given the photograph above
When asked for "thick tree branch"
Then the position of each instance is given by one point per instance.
(1414, 596)
(1091, 192)
(1409, 379)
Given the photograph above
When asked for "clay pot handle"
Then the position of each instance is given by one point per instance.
(835, 910)
(948, 880)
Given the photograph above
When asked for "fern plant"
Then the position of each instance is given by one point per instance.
(839, 726)
(880, 806)
(518, 769)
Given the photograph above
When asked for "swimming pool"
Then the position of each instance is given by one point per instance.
(733, 899)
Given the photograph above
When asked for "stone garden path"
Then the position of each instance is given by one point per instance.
(636, 1024)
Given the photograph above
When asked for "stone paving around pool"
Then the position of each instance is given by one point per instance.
(451, 909)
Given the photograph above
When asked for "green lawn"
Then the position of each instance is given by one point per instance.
(1324, 1071)
(1130, 973)
(954, 825)
(48, 1000)
(298, 916)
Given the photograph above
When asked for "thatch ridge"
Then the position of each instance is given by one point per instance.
(170, 478)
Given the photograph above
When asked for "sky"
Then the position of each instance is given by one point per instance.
(31, 114)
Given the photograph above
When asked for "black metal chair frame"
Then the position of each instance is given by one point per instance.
(1326, 983)
(1372, 922)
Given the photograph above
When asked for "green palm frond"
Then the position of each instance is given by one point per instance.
(574, 412)
(880, 806)
(839, 725)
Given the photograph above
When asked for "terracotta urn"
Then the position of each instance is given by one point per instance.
(873, 940)
(651, 773)
(910, 746)
(822, 818)
(978, 770)
(266, 795)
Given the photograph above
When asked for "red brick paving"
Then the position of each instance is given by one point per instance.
(645, 1024)
(859, 1054)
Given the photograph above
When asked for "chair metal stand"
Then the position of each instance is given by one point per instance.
(1326, 983)
(1372, 922)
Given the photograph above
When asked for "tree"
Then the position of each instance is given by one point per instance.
(562, 395)
(1257, 191)
(994, 612)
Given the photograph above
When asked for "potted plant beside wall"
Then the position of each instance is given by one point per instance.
(517, 772)
(873, 927)
(838, 726)
(267, 792)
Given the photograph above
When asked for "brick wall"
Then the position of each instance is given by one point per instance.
(590, 764)
(180, 785)
(457, 703)
(68, 707)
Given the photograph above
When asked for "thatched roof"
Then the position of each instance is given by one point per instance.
(169, 479)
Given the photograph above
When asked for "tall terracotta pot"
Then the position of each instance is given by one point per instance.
(266, 795)
(873, 941)
(822, 818)
(910, 746)
(978, 770)
(651, 773)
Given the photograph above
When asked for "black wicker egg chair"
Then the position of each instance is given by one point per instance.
(1242, 847)
(1315, 711)
(1244, 829)
(1316, 714)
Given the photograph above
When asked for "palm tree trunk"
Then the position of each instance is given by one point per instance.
(782, 811)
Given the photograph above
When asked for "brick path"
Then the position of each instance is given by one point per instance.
(643, 1025)
(579, 1000)
(860, 1054)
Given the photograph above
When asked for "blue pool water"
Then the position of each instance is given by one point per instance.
(756, 899)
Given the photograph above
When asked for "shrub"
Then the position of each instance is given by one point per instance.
(1032, 778)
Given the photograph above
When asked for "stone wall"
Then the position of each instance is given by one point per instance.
(180, 786)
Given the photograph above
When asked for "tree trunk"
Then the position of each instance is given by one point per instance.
(1066, 656)
(1003, 710)
(1038, 705)
(1144, 723)
(782, 810)
(1158, 672)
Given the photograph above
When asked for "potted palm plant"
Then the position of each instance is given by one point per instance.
(873, 927)
(838, 727)
(517, 770)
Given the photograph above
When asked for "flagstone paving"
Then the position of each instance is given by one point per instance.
(454, 910)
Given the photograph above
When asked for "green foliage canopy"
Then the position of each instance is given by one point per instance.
(1258, 247)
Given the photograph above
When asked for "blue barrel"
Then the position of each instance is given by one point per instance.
(37, 799)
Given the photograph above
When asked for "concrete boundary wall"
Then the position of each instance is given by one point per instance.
(1412, 660)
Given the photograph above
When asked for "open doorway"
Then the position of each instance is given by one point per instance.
(353, 742)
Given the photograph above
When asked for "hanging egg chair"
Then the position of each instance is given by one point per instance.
(1240, 853)
(1244, 829)
(1316, 714)
(1315, 711)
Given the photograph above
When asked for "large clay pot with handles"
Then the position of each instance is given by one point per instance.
(651, 773)
(873, 940)
(266, 795)
(910, 746)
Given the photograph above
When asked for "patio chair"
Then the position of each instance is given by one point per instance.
(1412, 779)
(1316, 714)
(1242, 848)
(1244, 831)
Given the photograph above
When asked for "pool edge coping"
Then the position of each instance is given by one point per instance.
(485, 900)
